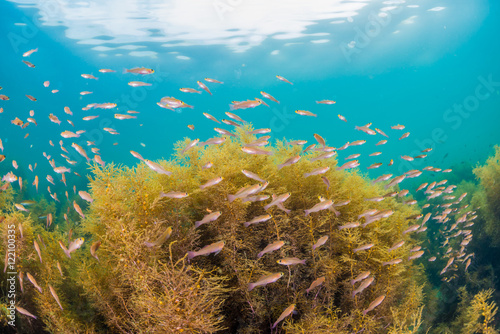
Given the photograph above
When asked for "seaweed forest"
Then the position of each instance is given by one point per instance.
(216, 240)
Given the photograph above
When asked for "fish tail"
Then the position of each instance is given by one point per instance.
(197, 224)
(303, 261)
(125, 71)
(307, 212)
(266, 207)
(307, 174)
(251, 286)
(191, 255)
(280, 166)
(314, 247)
(247, 224)
(365, 312)
(231, 198)
(259, 255)
(353, 282)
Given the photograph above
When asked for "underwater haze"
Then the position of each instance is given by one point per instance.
(235, 166)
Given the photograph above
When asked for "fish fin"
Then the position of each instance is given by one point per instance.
(306, 212)
(247, 224)
(197, 224)
(251, 286)
(191, 255)
(259, 255)
(231, 198)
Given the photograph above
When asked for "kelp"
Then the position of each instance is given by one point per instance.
(135, 288)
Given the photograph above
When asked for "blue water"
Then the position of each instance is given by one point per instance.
(409, 66)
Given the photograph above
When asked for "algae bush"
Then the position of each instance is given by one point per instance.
(335, 270)
(135, 283)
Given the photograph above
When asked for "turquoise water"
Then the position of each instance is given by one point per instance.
(431, 66)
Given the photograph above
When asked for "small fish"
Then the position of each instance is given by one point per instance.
(392, 262)
(86, 196)
(140, 70)
(78, 209)
(37, 248)
(364, 284)
(349, 164)
(29, 64)
(89, 76)
(411, 229)
(20, 207)
(59, 268)
(317, 282)
(270, 248)
(138, 84)
(208, 218)
(106, 70)
(416, 255)
(212, 182)
(213, 81)
(269, 96)
(25, 312)
(204, 87)
(360, 277)
(290, 261)
(73, 246)
(289, 310)
(174, 194)
(258, 219)
(283, 79)
(321, 241)
(33, 281)
(374, 304)
(30, 52)
(163, 237)
(54, 294)
(95, 246)
(252, 176)
(279, 199)
(214, 248)
(305, 113)
(362, 248)
(349, 225)
(398, 127)
(396, 245)
(122, 116)
(156, 167)
(255, 150)
(405, 135)
(264, 280)
(326, 102)
(323, 205)
(381, 132)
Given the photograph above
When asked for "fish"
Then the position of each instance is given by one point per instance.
(25, 312)
(283, 79)
(317, 171)
(54, 294)
(305, 113)
(374, 304)
(208, 218)
(323, 156)
(73, 246)
(392, 262)
(289, 310)
(290, 261)
(270, 248)
(88, 118)
(212, 182)
(174, 194)
(161, 239)
(264, 280)
(258, 219)
(360, 277)
(88, 76)
(140, 70)
(395, 181)
(416, 255)
(396, 245)
(252, 175)
(123, 117)
(33, 281)
(269, 96)
(95, 246)
(37, 248)
(411, 229)
(213, 81)
(29, 64)
(255, 150)
(317, 282)
(405, 135)
(349, 164)
(85, 196)
(138, 84)
(81, 151)
(321, 241)
(326, 102)
(374, 165)
(214, 248)
(364, 284)
(20, 207)
(244, 104)
(156, 167)
(398, 127)
(279, 199)
(349, 225)
(204, 87)
(30, 52)
(362, 248)
(323, 205)
(78, 209)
